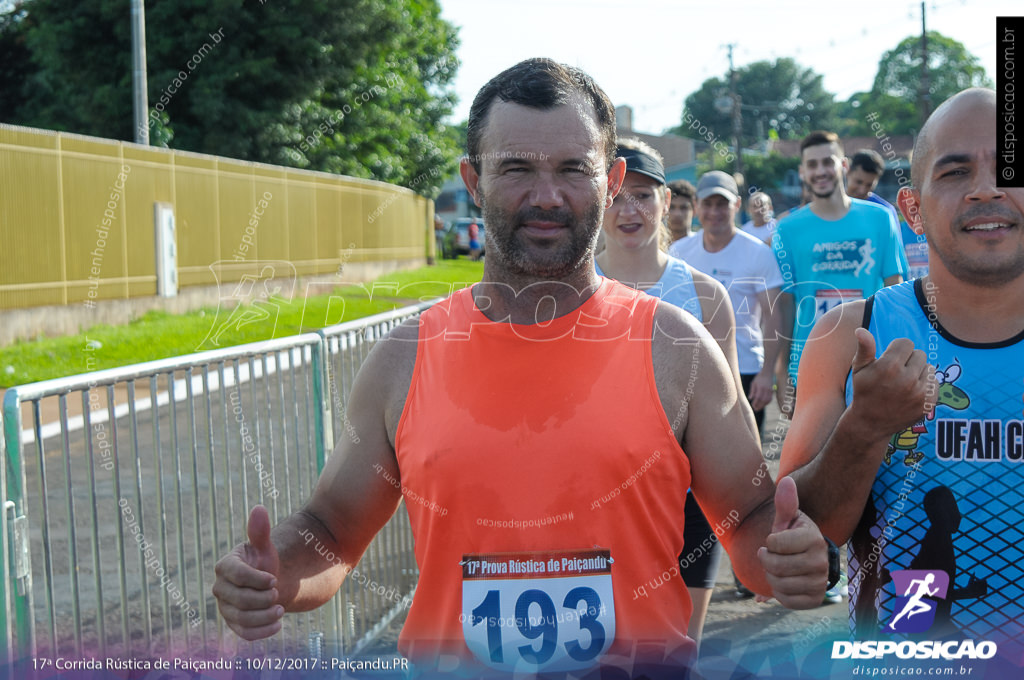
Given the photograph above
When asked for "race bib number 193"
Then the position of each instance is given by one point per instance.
(538, 611)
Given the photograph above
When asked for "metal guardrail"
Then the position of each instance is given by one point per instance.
(391, 555)
(118, 509)
(5, 552)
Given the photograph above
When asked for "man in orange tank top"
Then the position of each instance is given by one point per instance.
(545, 486)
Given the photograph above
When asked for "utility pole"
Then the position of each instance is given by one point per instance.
(737, 120)
(926, 95)
(140, 101)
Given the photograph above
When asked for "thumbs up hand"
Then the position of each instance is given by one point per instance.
(787, 505)
(795, 556)
(246, 582)
(260, 552)
(892, 392)
(865, 354)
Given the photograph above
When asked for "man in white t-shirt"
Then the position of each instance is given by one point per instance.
(748, 270)
(761, 224)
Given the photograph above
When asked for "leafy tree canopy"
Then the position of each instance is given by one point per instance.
(359, 87)
(895, 94)
(779, 95)
(951, 68)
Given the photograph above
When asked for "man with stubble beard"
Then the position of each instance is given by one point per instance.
(544, 392)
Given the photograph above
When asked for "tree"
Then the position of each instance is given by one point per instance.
(253, 80)
(895, 93)
(385, 119)
(951, 68)
(778, 95)
(16, 59)
(64, 89)
(897, 116)
(767, 173)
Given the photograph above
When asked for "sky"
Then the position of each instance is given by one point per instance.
(651, 54)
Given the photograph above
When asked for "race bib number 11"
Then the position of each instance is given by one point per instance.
(538, 611)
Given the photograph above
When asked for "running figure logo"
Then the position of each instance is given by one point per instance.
(915, 609)
(867, 263)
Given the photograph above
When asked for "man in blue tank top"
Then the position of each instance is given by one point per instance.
(915, 454)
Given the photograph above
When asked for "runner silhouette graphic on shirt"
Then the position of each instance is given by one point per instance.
(867, 263)
(937, 551)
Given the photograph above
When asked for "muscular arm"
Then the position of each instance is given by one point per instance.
(353, 497)
(728, 475)
(305, 558)
(833, 451)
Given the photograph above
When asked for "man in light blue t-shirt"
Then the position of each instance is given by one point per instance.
(837, 250)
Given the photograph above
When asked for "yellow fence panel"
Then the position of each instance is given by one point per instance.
(77, 218)
(32, 252)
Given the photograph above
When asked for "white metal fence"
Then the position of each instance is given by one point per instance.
(123, 487)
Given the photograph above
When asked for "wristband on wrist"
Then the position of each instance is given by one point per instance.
(833, 562)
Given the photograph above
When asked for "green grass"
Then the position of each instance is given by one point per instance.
(159, 335)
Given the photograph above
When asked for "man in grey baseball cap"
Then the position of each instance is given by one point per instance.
(717, 182)
(747, 269)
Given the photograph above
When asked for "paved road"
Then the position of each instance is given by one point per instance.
(742, 634)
